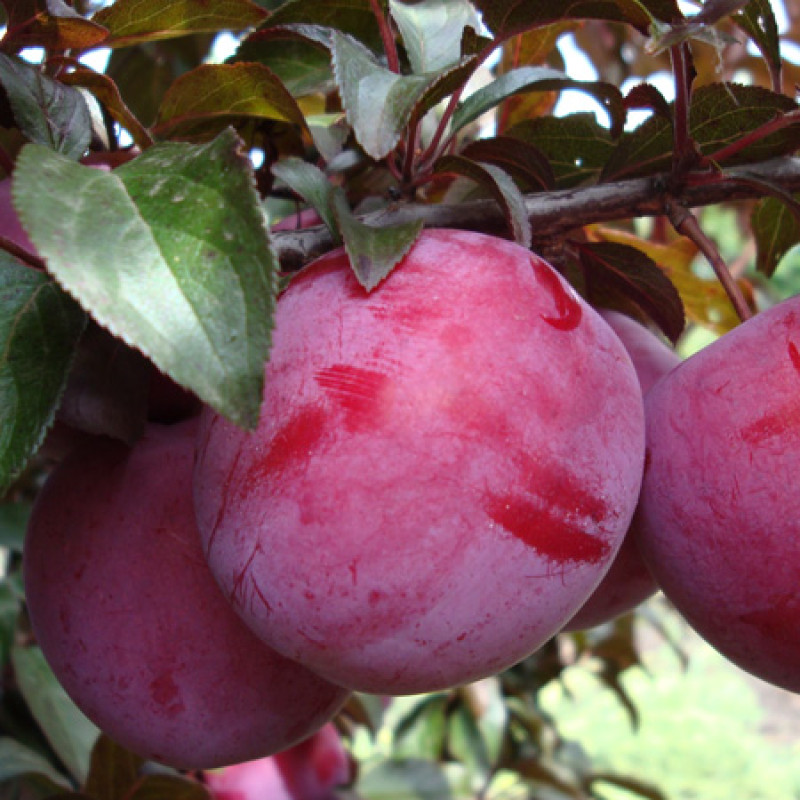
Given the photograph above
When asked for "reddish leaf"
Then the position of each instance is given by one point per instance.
(112, 771)
(132, 21)
(107, 94)
(50, 24)
(627, 271)
(647, 96)
(524, 162)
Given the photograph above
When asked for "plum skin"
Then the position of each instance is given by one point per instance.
(629, 582)
(434, 486)
(719, 520)
(133, 625)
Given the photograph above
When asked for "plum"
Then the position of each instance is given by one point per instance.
(443, 470)
(629, 581)
(719, 518)
(135, 628)
(311, 770)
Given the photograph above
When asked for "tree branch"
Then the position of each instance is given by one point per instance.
(553, 214)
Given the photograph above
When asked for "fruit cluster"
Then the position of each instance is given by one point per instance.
(445, 474)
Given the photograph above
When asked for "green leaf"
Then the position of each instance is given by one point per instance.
(47, 111)
(311, 184)
(373, 250)
(170, 253)
(576, 145)
(538, 79)
(13, 521)
(414, 779)
(432, 30)
(758, 21)
(132, 21)
(353, 17)
(302, 65)
(224, 93)
(500, 185)
(720, 114)
(419, 725)
(776, 229)
(17, 760)
(39, 329)
(378, 102)
(69, 732)
(466, 743)
(618, 268)
(506, 18)
(113, 770)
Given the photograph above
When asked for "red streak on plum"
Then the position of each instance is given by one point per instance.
(567, 307)
(777, 620)
(354, 389)
(794, 355)
(292, 443)
(166, 694)
(545, 530)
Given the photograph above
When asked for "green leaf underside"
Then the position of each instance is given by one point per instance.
(432, 31)
(170, 253)
(69, 732)
(776, 229)
(631, 273)
(311, 184)
(226, 92)
(17, 760)
(378, 102)
(500, 185)
(373, 251)
(577, 146)
(506, 17)
(131, 21)
(719, 115)
(537, 79)
(39, 329)
(47, 111)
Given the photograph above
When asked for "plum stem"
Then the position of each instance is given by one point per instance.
(686, 224)
(389, 45)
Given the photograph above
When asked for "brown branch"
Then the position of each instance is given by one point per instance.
(553, 214)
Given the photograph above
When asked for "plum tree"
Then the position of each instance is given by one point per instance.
(310, 770)
(433, 489)
(629, 581)
(132, 623)
(718, 521)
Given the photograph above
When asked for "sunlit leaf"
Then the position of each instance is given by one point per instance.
(39, 329)
(373, 251)
(47, 111)
(414, 779)
(500, 185)
(776, 229)
(52, 24)
(170, 253)
(69, 732)
(431, 31)
(223, 93)
(378, 102)
(132, 21)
